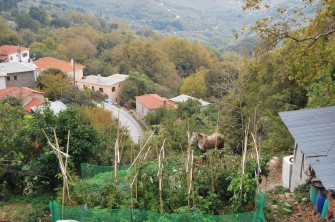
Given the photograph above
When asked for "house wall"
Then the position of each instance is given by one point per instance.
(300, 163)
(2, 82)
(23, 79)
(79, 74)
(141, 110)
(108, 90)
(16, 58)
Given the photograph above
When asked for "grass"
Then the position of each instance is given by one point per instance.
(33, 207)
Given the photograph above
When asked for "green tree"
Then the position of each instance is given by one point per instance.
(7, 36)
(137, 84)
(195, 85)
(53, 82)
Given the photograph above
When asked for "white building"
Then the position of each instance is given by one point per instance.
(12, 53)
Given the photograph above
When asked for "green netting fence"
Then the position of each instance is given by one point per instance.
(90, 170)
(136, 215)
(95, 177)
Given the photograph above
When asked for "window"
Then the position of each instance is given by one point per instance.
(15, 77)
(113, 89)
(11, 58)
(101, 90)
(25, 54)
(8, 78)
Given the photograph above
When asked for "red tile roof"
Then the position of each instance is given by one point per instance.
(49, 62)
(16, 92)
(33, 102)
(154, 101)
(10, 49)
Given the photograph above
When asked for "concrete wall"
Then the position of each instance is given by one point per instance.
(2, 82)
(300, 163)
(141, 111)
(79, 74)
(23, 79)
(108, 90)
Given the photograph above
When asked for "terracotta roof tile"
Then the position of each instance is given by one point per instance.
(154, 101)
(33, 102)
(10, 49)
(49, 62)
(16, 92)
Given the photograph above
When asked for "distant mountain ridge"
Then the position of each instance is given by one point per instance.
(212, 22)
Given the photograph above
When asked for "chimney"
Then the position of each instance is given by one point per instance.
(19, 51)
(99, 77)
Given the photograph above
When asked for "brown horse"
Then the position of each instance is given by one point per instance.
(204, 142)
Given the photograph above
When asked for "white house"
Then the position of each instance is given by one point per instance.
(12, 53)
(314, 133)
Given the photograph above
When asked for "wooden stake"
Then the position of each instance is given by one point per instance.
(140, 151)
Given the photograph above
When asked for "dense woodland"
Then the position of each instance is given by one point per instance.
(292, 68)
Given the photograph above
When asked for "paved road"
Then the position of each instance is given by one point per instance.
(127, 120)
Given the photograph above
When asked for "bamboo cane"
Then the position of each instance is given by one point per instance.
(246, 133)
(140, 151)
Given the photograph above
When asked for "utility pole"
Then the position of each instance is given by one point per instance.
(74, 71)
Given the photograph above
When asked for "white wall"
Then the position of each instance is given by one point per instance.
(16, 58)
(299, 165)
(2, 82)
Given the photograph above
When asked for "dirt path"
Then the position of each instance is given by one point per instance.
(284, 207)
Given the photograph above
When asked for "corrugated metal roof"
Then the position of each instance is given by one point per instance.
(314, 132)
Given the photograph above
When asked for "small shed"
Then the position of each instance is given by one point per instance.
(314, 133)
(148, 102)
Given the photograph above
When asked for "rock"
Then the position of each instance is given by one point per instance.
(287, 205)
(288, 195)
(304, 199)
(287, 210)
(275, 207)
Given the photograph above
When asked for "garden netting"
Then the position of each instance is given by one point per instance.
(93, 176)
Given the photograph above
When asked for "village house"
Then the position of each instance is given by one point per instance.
(110, 85)
(17, 74)
(183, 98)
(27, 97)
(314, 133)
(56, 107)
(12, 53)
(149, 102)
(65, 66)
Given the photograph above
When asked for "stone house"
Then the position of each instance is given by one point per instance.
(17, 74)
(110, 85)
(12, 53)
(65, 66)
(149, 102)
(314, 133)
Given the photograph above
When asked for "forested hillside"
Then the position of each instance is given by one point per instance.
(292, 68)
